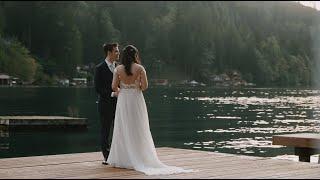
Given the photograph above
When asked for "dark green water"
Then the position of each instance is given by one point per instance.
(237, 121)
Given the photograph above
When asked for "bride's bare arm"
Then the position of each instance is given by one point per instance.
(115, 81)
(144, 79)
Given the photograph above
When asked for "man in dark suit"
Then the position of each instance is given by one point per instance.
(107, 99)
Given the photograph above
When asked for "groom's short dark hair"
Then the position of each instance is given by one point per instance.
(109, 47)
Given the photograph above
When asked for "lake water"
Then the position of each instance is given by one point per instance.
(236, 121)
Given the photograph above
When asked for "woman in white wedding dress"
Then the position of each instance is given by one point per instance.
(132, 144)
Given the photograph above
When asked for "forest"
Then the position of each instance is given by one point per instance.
(269, 43)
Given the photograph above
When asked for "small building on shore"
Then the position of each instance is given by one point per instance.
(5, 79)
(160, 82)
(64, 82)
(79, 81)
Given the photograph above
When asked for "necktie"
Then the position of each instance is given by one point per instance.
(111, 68)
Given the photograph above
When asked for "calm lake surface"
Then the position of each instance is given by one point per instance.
(237, 121)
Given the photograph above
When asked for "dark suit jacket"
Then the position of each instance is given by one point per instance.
(103, 82)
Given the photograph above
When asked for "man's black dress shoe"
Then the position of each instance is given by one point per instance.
(105, 163)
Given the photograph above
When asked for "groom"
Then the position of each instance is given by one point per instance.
(107, 99)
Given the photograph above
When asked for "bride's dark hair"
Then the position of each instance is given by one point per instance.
(128, 56)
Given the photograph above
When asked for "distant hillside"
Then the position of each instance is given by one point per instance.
(269, 43)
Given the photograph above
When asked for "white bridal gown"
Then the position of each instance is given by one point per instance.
(132, 144)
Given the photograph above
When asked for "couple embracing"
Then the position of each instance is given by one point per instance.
(121, 102)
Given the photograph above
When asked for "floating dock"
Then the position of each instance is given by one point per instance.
(41, 121)
(208, 164)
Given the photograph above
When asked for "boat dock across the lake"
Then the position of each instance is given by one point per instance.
(41, 121)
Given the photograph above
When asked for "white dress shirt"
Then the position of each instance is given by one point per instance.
(111, 66)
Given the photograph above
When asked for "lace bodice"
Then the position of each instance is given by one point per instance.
(128, 86)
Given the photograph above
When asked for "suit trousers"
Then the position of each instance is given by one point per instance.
(107, 114)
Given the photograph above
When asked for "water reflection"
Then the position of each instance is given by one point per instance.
(254, 116)
(240, 121)
(47, 101)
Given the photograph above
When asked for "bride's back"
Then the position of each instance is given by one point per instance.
(126, 79)
(138, 77)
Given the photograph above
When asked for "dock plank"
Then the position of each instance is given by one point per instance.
(305, 140)
(207, 164)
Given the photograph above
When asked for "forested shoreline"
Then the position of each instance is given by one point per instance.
(268, 43)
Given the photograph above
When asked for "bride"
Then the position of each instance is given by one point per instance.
(132, 144)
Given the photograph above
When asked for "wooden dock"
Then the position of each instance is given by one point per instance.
(208, 164)
(41, 121)
(305, 144)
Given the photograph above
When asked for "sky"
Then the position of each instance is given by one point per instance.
(315, 4)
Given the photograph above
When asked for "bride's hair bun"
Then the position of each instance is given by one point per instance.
(130, 49)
